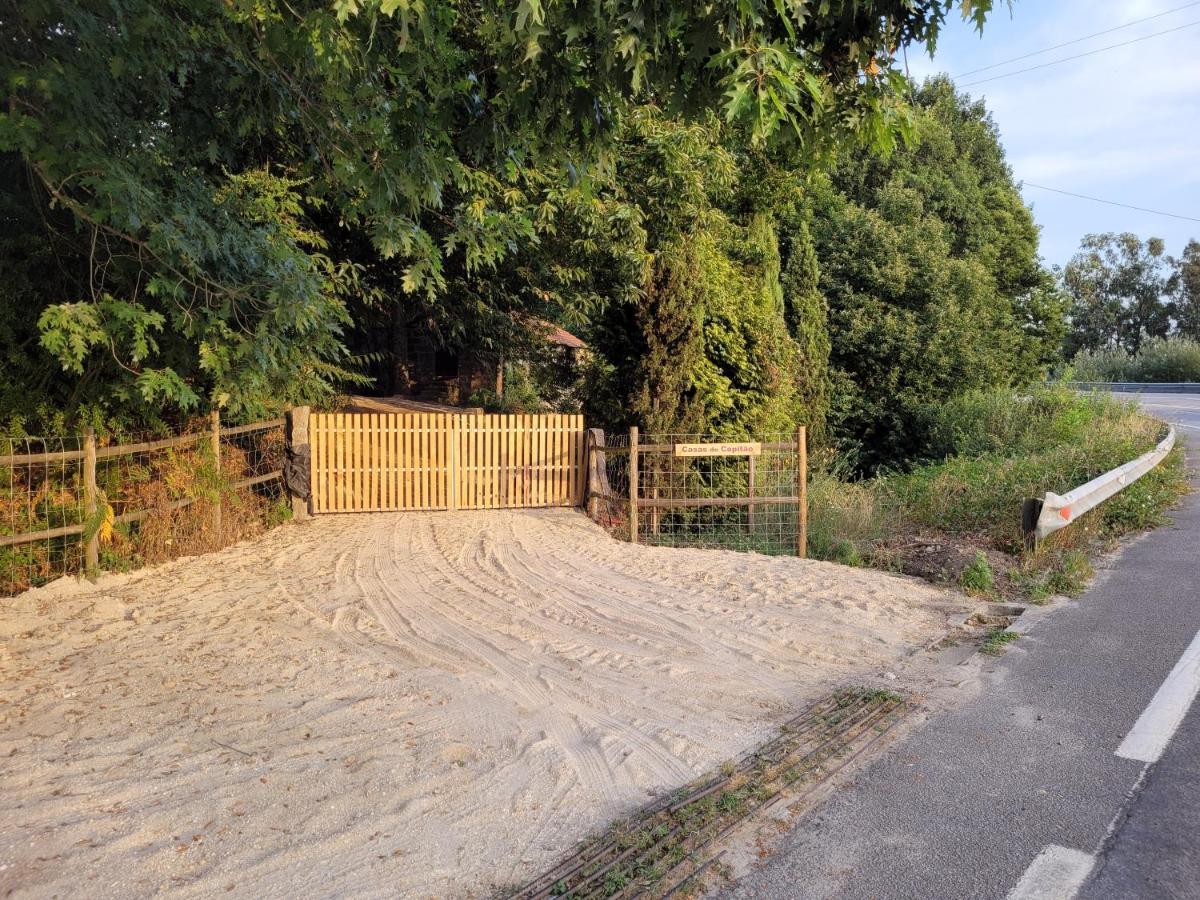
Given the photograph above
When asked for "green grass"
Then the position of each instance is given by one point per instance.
(996, 449)
(977, 578)
(996, 642)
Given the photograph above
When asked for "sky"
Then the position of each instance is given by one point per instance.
(1121, 124)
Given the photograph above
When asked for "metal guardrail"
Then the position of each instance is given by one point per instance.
(1137, 387)
(1056, 511)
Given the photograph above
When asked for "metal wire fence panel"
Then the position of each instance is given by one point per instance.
(151, 498)
(41, 510)
(735, 493)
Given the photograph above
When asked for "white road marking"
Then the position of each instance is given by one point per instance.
(1157, 724)
(1057, 873)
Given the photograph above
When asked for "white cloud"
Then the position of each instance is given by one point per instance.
(1122, 124)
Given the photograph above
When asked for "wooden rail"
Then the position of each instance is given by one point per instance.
(90, 454)
(635, 502)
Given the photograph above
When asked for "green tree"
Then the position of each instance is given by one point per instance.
(213, 158)
(692, 338)
(1187, 290)
(1120, 289)
(928, 261)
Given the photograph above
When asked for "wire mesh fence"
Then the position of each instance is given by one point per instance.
(745, 500)
(136, 500)
(41, 496)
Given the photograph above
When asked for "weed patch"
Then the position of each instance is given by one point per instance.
(995, 643)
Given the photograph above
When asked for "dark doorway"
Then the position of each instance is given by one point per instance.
(445, 364)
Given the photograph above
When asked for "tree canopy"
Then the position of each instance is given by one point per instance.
(210, 184)
(928, 261)
(1120, 288)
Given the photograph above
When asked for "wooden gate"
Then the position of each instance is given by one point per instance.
(368, 462)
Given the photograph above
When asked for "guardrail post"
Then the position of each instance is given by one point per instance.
(91, 548)
(214, 419)
(1031, 510)
(633, 484)
(802, 491)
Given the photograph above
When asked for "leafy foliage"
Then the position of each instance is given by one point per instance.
(928, 260)
(1157, 360)
(214, 183)
(1119, 287)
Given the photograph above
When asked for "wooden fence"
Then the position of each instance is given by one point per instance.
(368, 462)
(60, 491)
(691, 490)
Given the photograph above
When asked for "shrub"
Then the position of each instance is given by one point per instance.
(1158, 360)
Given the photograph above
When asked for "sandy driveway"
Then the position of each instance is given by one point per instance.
(415, 705)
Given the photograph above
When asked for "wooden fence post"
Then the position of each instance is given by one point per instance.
(91, 549)
(633, 484)
(750, 516)
(299, 452)
(802, 491)
(215, 421)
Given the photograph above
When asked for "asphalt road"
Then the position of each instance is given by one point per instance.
(1182, 410)
(1021, 792)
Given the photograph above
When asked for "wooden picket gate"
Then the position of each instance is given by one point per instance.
(368, 462)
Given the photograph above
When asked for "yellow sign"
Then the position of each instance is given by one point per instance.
(744, 448)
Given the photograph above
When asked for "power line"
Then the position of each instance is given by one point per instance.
(1157, 212)
(1079, 40)
(1081, 55)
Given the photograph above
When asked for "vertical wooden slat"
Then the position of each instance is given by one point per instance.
(329, 452)
(510, 446)
(328, 479)
(532, 490)
(390, 452)
(494, 436)
(457, 462)
(497, 474)
(564, 460)
(363, 421)
(401, 495)
(443, 462)
(633, 484)
(464, 462)
(355, 461)
(582, 461)
(560, 440)
(419, 459)
(551, 459)
(544, 459)
(336, 459)
(485, 499)
(526, 473)
(488, 447)
(437, 431)
(443, 459)
(372, 461)
(406, 459)
(315, 470)
(426, 502)
(478, 460)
